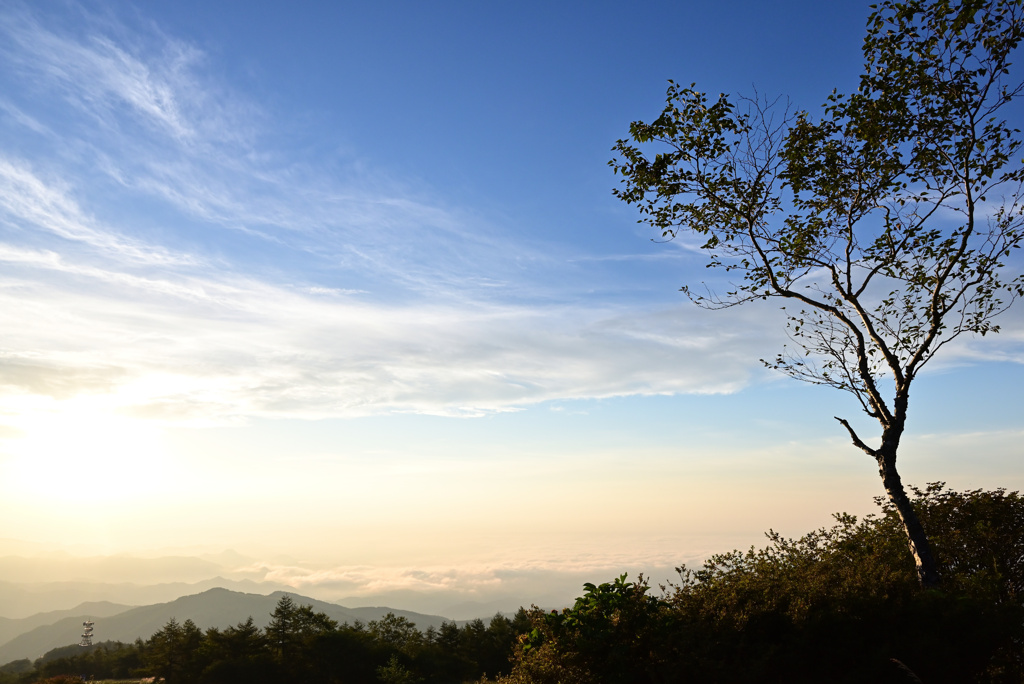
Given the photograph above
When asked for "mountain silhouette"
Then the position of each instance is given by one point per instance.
(212, 608)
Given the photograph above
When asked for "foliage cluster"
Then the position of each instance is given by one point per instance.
(299, 645)
(841, 604)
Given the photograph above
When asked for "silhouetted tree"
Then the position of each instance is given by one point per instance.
(886, 224)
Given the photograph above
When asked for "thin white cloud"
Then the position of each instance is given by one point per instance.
(664, 255)
(23, 119)
(196, 349)
(98, 76)
(332, 291)
(29, 202)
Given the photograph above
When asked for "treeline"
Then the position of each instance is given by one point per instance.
(841, 604)
(299, 645)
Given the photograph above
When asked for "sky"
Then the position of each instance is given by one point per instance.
(342, 288)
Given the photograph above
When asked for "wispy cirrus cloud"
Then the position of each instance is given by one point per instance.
(29, 203)
(99, 77)
(202, 154)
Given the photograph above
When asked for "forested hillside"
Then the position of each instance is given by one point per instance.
(218, 608)
(298, 645)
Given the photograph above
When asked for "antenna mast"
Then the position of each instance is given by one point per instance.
(86, 633)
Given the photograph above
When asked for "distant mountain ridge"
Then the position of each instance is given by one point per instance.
(20, 599)
(217, 607)
(10, 628)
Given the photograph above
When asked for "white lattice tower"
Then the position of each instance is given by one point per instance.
(86, 633)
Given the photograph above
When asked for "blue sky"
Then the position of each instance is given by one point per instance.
(353, 271)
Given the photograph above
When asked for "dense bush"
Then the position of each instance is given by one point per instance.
(840, 604)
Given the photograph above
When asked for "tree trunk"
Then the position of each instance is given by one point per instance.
(920, 549)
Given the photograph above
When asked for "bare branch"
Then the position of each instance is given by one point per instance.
(857, 442)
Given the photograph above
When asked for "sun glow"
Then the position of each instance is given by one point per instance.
(79, 450)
